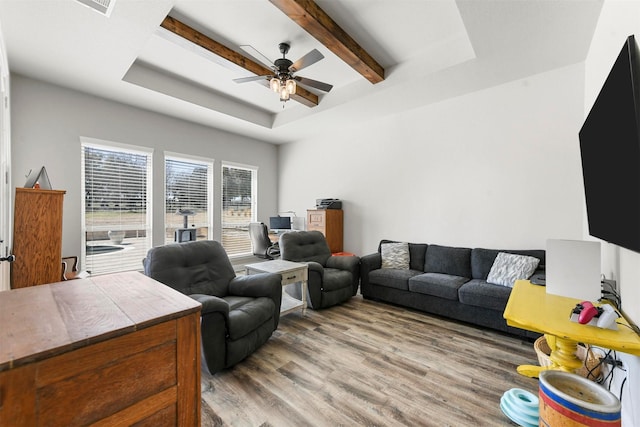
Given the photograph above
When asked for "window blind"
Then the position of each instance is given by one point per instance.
(238, 207)
(116, 208)
(188, 187)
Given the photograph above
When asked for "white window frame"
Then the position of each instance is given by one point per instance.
(148, 239)
(253, 204)
(206, 162)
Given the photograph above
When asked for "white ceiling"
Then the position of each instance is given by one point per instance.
(430, 49)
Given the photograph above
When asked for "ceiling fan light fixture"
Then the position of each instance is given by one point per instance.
(282, 80)
(284, 94)
(291, 86)
(275, 84)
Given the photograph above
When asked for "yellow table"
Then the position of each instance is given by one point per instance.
(530, 307)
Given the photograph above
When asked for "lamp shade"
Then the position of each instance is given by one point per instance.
(275, 84)
(291, 86)
(284, 94)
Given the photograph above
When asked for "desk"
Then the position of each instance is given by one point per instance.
(290, 272)
(530, 307)
(274, 237)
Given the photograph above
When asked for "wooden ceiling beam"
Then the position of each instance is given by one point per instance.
(181, 29)
(316, 22)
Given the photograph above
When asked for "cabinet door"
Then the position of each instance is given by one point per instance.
(37, 237)
(18, 397)
(316, 220)
(330, 223)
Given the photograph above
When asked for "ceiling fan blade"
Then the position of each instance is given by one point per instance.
(252, 51)
(326, 87)
(251, 79)
(309, 59)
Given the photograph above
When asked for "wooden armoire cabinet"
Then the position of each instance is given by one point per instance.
(330, 223)
(37, 237)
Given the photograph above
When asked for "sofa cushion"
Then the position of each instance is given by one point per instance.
(448, 260)
(437, 284)
(479, 293)
(482, 259)
(336, 279)
(417, 252)
(395, 255)
(507, 268)
(247, 314)
(392, 277)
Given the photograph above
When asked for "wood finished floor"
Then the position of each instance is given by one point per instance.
(366, 363)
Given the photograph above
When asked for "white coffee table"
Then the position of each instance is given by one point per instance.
(290, 272)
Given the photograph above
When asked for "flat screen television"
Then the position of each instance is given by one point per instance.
(280, 223)
(610, 152)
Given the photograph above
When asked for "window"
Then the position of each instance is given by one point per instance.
(116, 207)
(239, 184)
(188, 190)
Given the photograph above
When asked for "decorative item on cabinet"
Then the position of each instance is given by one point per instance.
(38, 179)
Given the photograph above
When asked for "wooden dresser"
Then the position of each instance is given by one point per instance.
(37, 237)
(117, 349)
(330, 223)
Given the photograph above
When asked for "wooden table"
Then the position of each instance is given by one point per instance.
(114, 349)
(531, 307)
(290, 272)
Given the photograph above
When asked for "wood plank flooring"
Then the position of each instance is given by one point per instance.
(371, 364)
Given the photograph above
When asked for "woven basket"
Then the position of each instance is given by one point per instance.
(590, 368)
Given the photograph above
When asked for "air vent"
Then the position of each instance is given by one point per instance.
(103, 6)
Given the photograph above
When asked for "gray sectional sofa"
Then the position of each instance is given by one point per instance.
(447, 281)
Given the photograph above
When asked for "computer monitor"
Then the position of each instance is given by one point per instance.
(280, 223)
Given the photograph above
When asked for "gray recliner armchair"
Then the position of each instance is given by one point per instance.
(239, 314)
(332, 279)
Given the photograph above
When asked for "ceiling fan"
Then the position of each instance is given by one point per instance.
(283, 81)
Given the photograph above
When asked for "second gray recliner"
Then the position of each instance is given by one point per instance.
(332, 279)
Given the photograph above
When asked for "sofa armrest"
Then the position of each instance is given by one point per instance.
(315, 267)
(213, 330)
(347, 263)
(212, 304)
(368, 263)
(257, 285)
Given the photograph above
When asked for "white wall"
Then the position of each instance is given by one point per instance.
(498, 168)
(48, 121)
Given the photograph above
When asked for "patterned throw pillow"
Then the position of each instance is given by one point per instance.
(507, 268)
(395, 255)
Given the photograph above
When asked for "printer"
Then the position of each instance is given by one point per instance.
(328, 204)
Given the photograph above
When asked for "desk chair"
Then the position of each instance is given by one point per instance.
(260, 243)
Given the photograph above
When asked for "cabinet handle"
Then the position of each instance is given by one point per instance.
(291, 277)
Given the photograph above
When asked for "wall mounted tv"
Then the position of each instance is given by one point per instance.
(610, 151)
